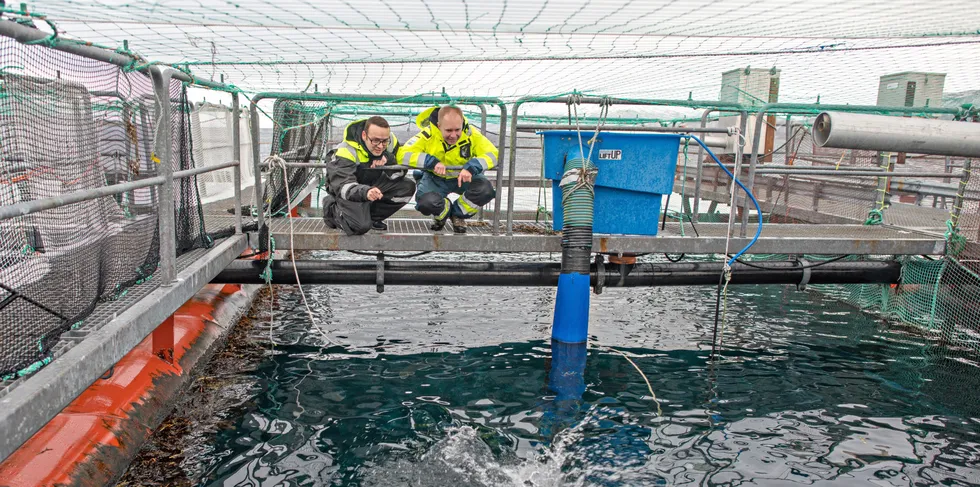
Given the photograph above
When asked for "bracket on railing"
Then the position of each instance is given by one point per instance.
(380, 279)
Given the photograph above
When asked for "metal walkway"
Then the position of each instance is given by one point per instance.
(528, 236)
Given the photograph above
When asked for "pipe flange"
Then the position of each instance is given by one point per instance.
(380, 276)
(806, 274)
(600, 273)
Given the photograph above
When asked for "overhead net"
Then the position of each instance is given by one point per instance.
(659, 49)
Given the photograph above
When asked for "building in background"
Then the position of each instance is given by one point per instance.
(911, 89)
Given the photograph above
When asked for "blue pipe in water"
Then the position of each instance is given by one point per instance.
(571, 324)
(566, 380)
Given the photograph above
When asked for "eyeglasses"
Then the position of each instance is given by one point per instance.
(373, 141)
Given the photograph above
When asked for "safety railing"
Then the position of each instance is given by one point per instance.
(166, 208)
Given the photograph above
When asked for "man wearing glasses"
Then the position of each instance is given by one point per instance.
(454, 156)
(359, 197)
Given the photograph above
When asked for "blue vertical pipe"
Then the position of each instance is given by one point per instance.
(571, 324)
(566, 380)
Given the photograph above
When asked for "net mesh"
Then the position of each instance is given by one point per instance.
(300, 134)
(745, 51)
(657, 49)
(212, 130)
(69, 124)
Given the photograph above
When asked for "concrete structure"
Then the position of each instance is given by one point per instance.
(750, 87)
(747, 86)
(911, 89)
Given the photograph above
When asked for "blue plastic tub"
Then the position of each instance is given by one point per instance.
(635, 171)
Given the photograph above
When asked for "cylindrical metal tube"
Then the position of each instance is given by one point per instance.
(501, 155)
(253, 120)
(896, 134)
(28, 207)
(24, 34)
(428, 273)
(165, 212)
(236, 154)
(623, 128)
(186, 173)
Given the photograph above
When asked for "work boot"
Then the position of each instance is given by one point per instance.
(328, 212)
(379, 226)
(459, 224)
(438, 224)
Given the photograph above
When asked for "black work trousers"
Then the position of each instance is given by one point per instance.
(355, 218)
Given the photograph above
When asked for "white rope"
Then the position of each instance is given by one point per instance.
(292, 254)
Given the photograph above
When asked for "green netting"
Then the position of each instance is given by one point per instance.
(70, 124)
(663, 48)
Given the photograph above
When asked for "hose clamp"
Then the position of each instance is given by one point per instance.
(600, 273)
(806, 274)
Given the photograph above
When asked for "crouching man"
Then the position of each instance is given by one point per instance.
(454, 155)
(360, 198)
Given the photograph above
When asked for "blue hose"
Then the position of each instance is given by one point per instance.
(758, 209)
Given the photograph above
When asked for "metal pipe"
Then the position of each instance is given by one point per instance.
(502, 154)
(799, 108)
(512, 167)
(846, 172)
(253, 121)
(440, 98)
(236, 154)
(740, 149)
(187, 173)
(623, 128)
(164, 151)
(448, 273)
(700, 169)
(896, 134)
(24, 34)
(317, 165)
(28, 207)
(595, 100)
(954, 216)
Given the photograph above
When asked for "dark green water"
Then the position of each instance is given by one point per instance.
(450, 386)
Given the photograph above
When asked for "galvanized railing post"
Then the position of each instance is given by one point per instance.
(164, 152)
(954, 216)
(742, 124)
(700, 169)
(236, 154)
(253, 121)
(511, 169)
(501, 153)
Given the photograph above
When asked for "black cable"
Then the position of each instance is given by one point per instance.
(663, 220)
(667, 256)
(811, 266)
(714, 335)
(393, 256)
(15, 294)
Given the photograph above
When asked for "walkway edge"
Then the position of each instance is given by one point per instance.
(92, 441)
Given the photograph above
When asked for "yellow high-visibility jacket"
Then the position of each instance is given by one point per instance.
(473, 151)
